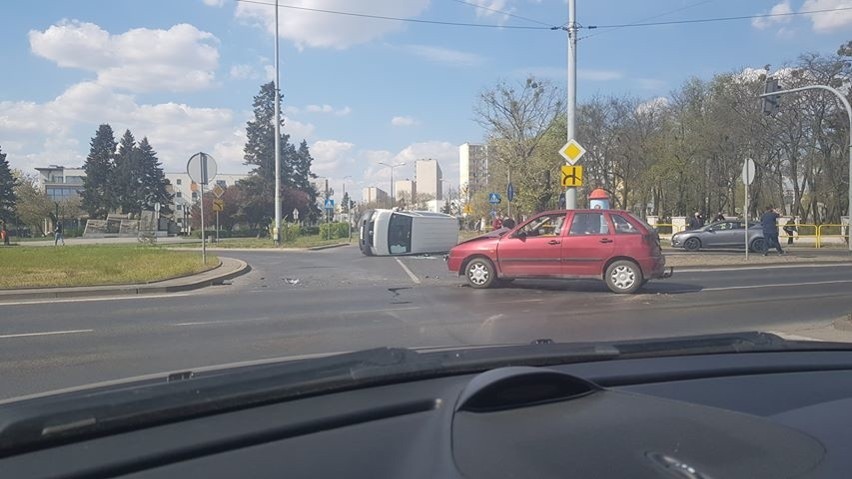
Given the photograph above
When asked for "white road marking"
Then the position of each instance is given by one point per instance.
(811, 283)
(747, 268)
(45, 333)
(408, 271)
(232, 321)
(92, 299)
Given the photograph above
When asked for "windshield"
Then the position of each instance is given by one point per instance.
(181, 187)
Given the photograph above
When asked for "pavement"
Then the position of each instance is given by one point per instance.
(307, 302)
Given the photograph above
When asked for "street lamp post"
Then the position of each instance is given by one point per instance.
(275, 231)
(392, 167)
(848, 107)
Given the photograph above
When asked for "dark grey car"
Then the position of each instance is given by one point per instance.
(721, 234)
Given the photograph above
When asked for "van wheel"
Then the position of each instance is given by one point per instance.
(479, 273)
(624, 277)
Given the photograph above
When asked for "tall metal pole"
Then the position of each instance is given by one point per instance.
(203, 241)
(848, 107)
(393, 203)
(275, 231)
(745, 211)
(571, 192)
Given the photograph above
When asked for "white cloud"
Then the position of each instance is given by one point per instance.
(779, 9)
(488, 8)
(403, 121)
(174, 129)
(243, 72)
(653, 105)
(316, 29)
(329, 156)
(181, 58)
(269, 71)
(599, 75)
(297, 130)
(446, 56)
(830, 21)
(650, 83)
(326, 108)
(214, 3)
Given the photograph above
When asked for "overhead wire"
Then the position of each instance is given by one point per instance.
(652, 17)
(398, 19)
(503, 12)
(718, 19)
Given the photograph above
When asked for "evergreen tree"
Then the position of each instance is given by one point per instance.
(152, 188)
(127, 175)
(260, 133)
(8, 182)
(98, 192)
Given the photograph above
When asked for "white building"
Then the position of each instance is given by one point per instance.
(187, 192)
(60, 182)
(473, 169)
(427, 175)
(405, 189)
(372, 194)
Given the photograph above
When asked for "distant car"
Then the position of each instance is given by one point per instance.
(610, 245)
(721, 234)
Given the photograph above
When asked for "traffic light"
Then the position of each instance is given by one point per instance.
(771, 103)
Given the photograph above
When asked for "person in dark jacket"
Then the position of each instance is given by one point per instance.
(719, 217)
(790, 228)
(769, 223)
(696, 221)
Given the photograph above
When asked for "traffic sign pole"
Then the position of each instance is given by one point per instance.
(217, 226)
(571, 193)
(203, 243)
(748, 177)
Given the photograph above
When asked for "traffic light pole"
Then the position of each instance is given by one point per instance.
(849, 115)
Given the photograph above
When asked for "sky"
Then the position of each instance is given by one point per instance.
(359, 90)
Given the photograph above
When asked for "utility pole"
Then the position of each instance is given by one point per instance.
(392, 167)
(275, 230)
(348, 209)
(571, 192)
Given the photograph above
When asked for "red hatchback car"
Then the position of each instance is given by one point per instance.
(614, 246)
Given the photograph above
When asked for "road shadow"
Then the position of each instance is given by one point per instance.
(592, 286)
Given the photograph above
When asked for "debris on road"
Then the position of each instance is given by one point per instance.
(291, 281)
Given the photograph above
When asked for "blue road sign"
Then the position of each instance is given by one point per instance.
(510, 192)
(329, 204)
(493, 198)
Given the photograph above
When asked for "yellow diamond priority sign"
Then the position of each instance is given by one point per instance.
(572, 151)
(218, 191)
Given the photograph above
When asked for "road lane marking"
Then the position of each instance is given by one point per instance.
(750, 268)
(45, 333)
(92, 299)
(232, 321)
(757, 286)
(408, 271)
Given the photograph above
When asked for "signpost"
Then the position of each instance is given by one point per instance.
(494, 198)
(572, 176)
(218, 206)
(329, 205)
(748, 178)
(572, 151)
(202, 168)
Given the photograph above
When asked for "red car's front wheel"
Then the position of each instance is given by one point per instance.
(480, 273)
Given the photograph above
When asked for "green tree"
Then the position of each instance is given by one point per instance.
(7, 190)
(152, 188)
(98, 191)
(33, 205)
(127, 175)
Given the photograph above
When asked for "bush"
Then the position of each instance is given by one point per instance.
(334, 230)
(310, 230)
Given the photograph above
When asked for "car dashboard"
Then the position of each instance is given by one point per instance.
(767, 414)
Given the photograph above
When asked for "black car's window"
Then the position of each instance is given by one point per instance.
(622, 225)
(589, 224)
(547, 225)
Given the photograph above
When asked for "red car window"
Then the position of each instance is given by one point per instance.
(623, 225)
(589, 224)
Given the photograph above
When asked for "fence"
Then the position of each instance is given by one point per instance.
(820, 235)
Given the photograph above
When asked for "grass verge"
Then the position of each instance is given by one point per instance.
(44, 267)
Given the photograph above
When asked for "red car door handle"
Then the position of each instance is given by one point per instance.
(553, 242)
(606, 240)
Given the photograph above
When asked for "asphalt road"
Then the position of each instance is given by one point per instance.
(298, 303)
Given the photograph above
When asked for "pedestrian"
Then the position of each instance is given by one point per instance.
(769, 223)
(4, 235)
(509, 223)
(790, 228)
(719, 217)
(497, 223)
(57, 234)
(695, 222)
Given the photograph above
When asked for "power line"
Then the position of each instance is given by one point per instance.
(398, 19)
(503, 12)
(663, 14)
(717, 19)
